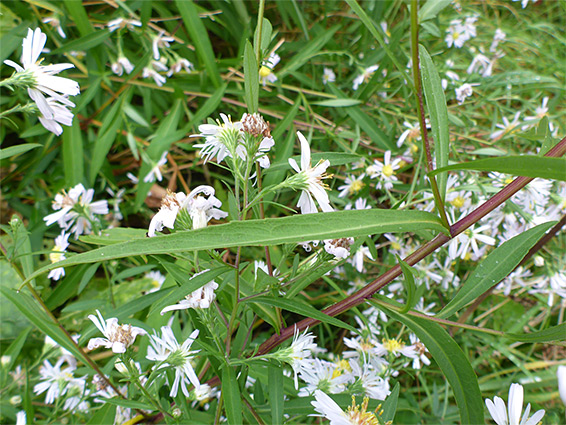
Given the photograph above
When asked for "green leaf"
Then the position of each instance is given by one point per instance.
(106, 136)
(366, 123)
(132, 404)
(276, 393)
(450, 358)
(73, 158)
(436, 105)
(520, 165)
(78, 14)
(188, 285)
(16, 150)
(409, 284)
(266, 31)
(199, 36)
(114, 235)
(209, 106)
(555, 333)
(104, 415)
(300, 308)
(390, 404)
(431, 8)
(495, 267)
(231, 396)
(338, 103)
(269, 231)
(15, 347)
(84, 43)
(251, 78)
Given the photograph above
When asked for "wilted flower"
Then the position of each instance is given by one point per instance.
(464, 91)
(497, 37)
(152, 71)
(340, 248)
(160, 41)
(117, 337)
(120, 23)
(311, 180)
(199, 298)
(180, 63)
(122, 64)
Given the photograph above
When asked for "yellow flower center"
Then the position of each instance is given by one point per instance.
(392, 345)
(56, 256)
(414, 148)
(402, 163)
(456, 35)
(458, 202)
(359, 414)
(396, 246)
(387, 170)
(508, 180)
(155, 283)
(264, 71)
(356, 186)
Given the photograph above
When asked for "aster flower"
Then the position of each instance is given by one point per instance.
(364, 77)
(384, 171)
(256, 129)
(540, 112)
(199, 298)
(412, 133)
(122, 64)
(156, 279)
(61, 115)
(55, 23)
(55, 381)
(117, 337)
(367, 376)
(168, 352)
(340, 248)
(498, 411)
(152, 71)
(352, 185)
(222, 139)
(328, 76)
(155, 172)
(456, 34)
(178, 65)
(58, 254)
(461, 245)
(120, 23)
(507, 127)
(21, 418)
(167, 214)
(41, 79)
(266, 70)
(355, 415)
(299, 354)
(464, 91)
(449, 75)
(160, 41)
(321, 375)
(497, 37)
(311, 180)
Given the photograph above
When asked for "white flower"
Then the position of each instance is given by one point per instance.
(384, 172)
(120, 23)
(365, 76)
(266, 71)
(464, 91)
(352, 185)
(312, 180)
(58, 254)
(507, 127)
(322, 375)
(43, 77)
(356, 414)
(374, 386)
(167, 351)
(340, 248)
(122, 64)
(221, 138)
(497, 37)
(167, 214)
(453, 77)
(117, 337)
(484, 63)
(561, 375)
(457, 34)
(181, 63)
(160, 41)
(61, 115)
(155, 172)
(21, 418)
(498, 411)
(199, 298)
(420, 351)
(55, 23)
(540, 112)
(412, 133)
(328, 76)
(152, 72)
(524, 3)
(156, 279)
(460, 246)
(55, 381)
(469, 28)
(299, 354)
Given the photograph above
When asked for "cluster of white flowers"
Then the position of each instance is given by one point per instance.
(41, 80)
(459, 32)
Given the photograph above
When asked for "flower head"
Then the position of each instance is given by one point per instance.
(117, 337)
(266, 70)
(58, 254)
(160, 41)
(199, 298)
(498, 411)
(384, 171)
(122, 64)
(311, 180)
(222, 139)
(328, 76)
(364, 77)
(155, 172)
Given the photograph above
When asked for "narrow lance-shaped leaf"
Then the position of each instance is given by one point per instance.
(436, 104)
(271, 231)
(450, 358)
(231, 396)
(409, 284)
(555, 333)
(519, 165)
(495, 267)
(251, 78)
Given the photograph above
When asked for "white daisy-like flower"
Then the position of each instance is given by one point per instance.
(120, 23)
(266, 70)
(340, 248)
(483, 64)
(469, 27)
(512, 415)
(464, 91)
(55, 23)
(160, 41)
(168, 351)
(322, 375)
(117, 337)
(55, 381)
(58, 254)
(453, 78)
(395, 347)
(155, 172)
(411, 134)
(352, 185)
(43, 79)
(355, 415)
(167, 214)
(507, 127)
(299, 354)
(312, 177)
(199, 298)
(540, 112)
(364, 77)
(461, 245)
(328, 76)
(497, 38)
(122, 64)
(457, 34)
(180, 63)
(374, 386)
(156, 279)
(61, 115)
(221, 138)
(384, 171)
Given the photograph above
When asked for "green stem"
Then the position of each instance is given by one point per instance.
(259, 30)
(420, 110)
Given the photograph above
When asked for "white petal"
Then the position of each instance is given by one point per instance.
(305, 152)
